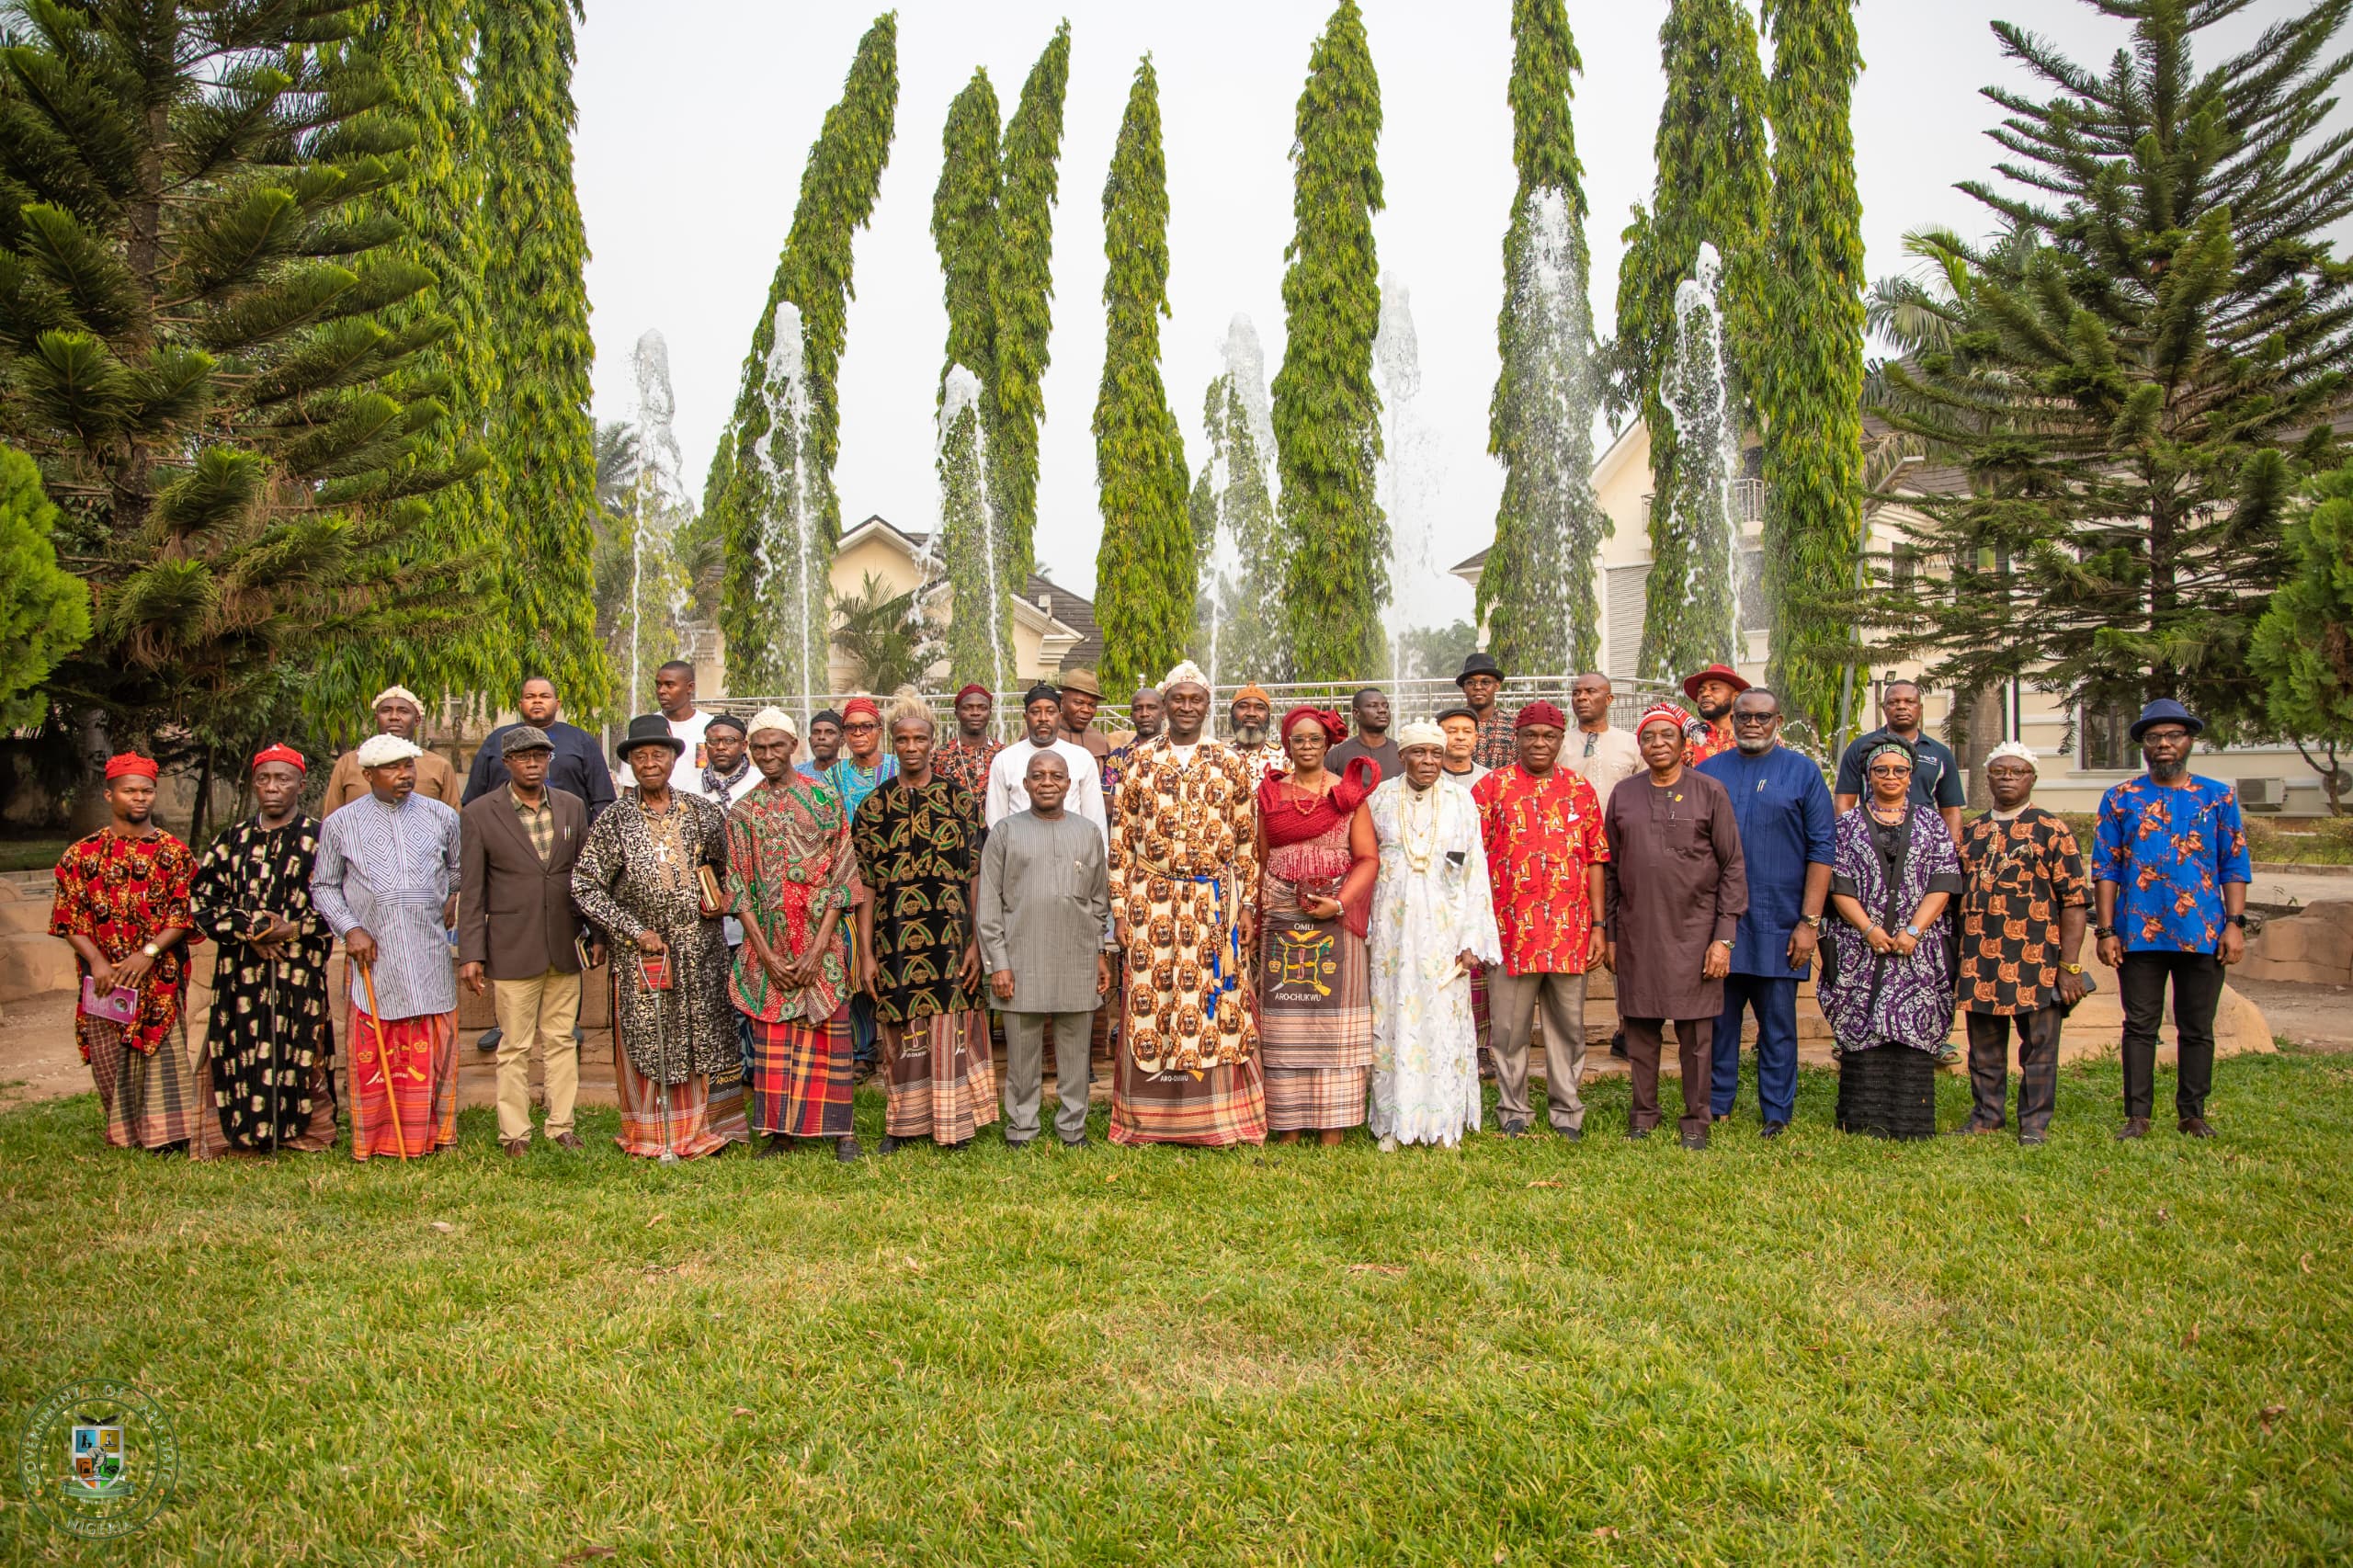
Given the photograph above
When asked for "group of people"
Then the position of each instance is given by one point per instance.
(1312, 926)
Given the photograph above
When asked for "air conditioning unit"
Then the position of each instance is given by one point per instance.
(2261, 794)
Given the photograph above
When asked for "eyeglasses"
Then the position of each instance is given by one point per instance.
(863, 727)
(1891, 770)
(1757, 717)
(2148, 735)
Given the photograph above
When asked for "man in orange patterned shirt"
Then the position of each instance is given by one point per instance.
(1542, 828)
(1711, 692)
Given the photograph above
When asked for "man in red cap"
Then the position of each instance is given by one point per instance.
(121, 905)
(965, 756)
(271, 1041)
(1540, 826)
(1711, 691)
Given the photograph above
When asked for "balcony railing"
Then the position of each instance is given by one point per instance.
(1747, 502)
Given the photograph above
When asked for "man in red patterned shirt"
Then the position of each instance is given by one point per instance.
(1711, 692)
(966, 757)
(1542, 828)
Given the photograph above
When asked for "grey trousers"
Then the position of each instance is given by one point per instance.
(1025, 1062)
(1512, 1000)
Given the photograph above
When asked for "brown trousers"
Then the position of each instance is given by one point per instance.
(1989, 1066)
(1693, 1038)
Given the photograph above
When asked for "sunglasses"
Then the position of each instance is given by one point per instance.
(1891, 770)
(1756, 717)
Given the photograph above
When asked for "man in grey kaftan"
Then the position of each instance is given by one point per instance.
(1045, 893)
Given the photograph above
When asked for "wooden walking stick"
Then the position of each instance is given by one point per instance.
(384, 1062)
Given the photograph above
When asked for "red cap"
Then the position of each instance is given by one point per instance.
(281, 753)
(129, 762)
(1539, 712)
(1724, 673)
(971, 687)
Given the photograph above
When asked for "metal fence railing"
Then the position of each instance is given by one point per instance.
(1408, 700)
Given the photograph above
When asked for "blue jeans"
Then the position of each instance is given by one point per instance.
(1774, 1002)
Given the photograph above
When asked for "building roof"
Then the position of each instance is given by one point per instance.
(1069, 615)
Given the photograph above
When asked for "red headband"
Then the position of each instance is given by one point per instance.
(1539, 712)
(1335, 729)
(130, 763)
(857, 705)
(281, 753)
(971, 687)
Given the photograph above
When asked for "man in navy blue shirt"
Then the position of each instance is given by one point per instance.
(1936, 779)
(579, 766)
(1785, 817)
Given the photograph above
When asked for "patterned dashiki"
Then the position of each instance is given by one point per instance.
(1431, 905)
(851, 784)
(1873, 1000)
(636, 873)
(966, 761)
(272, 1037)
(1315, 988)
(1540, 835)
(1114, 767)
(1713, 740)
(918, 853)
(2169, 849)
(2017, 876)
(1264, 760)
(1184, 867)
(389, 869)
(117, 892)
(788, 865)
(1498, 745)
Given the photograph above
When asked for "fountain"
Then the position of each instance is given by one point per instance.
(662, 504)
(1236, 595)
(965, 543)
(1556, 390)
(1707, 432)
(789, 593)
(1396, 358)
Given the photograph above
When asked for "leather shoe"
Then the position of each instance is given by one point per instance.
(1573, 1134)
(1638, 1131)
(1514, 1129)
(1696, 1140)
(847, 1151)
(2032, 1139)
(516, 1147)
(2196, 1127)
(1773, 1130)
(568, 1141)
(2135, 1127)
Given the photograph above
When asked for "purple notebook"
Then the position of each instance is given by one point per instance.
(116, 1006)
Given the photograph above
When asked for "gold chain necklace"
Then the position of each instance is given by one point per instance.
(1418, 840)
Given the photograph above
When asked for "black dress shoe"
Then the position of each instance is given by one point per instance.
(2196, 1127)
(1073, 1142)
(1696, 1140)
(1638, 1131)
(2135, 1127)
(1514, 1129)
(889, 1145)
(777, 1143)
(2032, 1139)
(1773, 1130)
(1573, 1134)
(847, 1151)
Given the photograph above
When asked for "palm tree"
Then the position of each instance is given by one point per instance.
(880, 634)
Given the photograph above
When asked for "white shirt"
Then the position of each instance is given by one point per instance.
(1008, 795)
(1615, 757)
(686, 774)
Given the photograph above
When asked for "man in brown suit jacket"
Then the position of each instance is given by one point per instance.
(516, 923)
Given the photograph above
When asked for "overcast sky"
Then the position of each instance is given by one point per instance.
(696, 117)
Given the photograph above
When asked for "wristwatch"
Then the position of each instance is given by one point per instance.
(2239, 920)
(2073, 968)
(151, 950)
(1812, 920)
(1912, 931)
(2103, 932)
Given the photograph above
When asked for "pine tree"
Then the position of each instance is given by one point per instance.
(1536, 594)
(1025, 293)
(44, 609)
(1144, 571)
(2135, 374)
(2303, 645)
(1713, 186)
(426, 50)
(1809, 388)
(838, 185)
(195, 352)
(965, 230)
(535, 303)
(1327, 412)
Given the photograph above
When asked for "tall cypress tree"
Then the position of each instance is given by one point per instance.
(838, 185)
(1144, 568)
(541, 438)
(1327, 412)
(1536, 594)
(426, 51)
(1809, 388)
(1025, 293)
(965, 230)
(2137, 374)
(1237, 630)
(1713, 186)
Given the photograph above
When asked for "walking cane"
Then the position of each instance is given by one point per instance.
(273, 1055)
(383, 1064)
(662, 1088)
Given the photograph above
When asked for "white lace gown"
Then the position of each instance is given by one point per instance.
(1431, 903)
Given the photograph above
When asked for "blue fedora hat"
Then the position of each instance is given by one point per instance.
(2166, 711)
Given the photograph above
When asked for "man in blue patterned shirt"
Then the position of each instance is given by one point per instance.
(2170, 870)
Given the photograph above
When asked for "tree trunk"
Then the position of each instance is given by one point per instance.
(203, 807)
(1983, 734)
(90, 812)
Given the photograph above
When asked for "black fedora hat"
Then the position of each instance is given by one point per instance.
(1479, 665)
(648, 730)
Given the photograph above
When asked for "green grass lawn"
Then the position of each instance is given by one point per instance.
(1823, 1349)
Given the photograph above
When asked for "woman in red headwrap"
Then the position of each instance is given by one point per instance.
(1316, 846)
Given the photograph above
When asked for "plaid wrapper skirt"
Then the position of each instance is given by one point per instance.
(799, 1076)
(1889, 1091)
(1315, 1021)
(418, 1063)
(942, 1084)
(150, 1099)
(1217, 1106)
